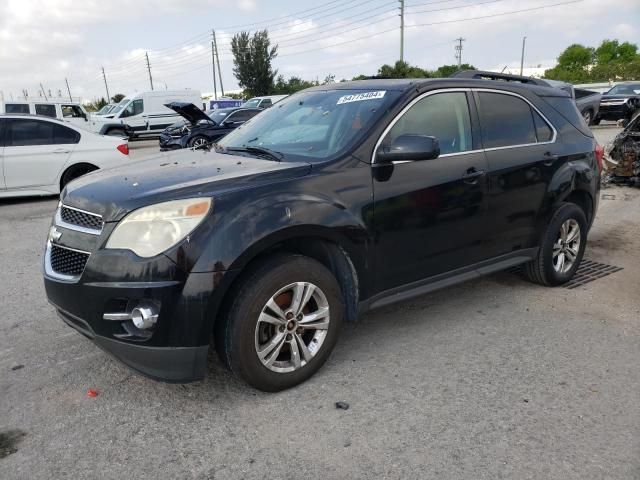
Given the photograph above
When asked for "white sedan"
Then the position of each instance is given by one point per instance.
(40, 155)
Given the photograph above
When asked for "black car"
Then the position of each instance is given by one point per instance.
(619, 103)
(337, 200)
(200, 129)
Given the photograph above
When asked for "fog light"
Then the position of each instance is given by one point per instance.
(144, 316)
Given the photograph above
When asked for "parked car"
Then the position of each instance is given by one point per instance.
(263, 102)
(104, 110)
(200, 129)
(619, 103)
(344, 198)
(72, 112)
(143, 114)
(588, 104)
(40, 155)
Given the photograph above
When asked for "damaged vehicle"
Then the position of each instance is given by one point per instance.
(623, 156)
(337, 200)
(200, 129)
(620, 103)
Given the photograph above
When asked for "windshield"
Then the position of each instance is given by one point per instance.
(254, 102)
(218, 116)
(118, 108)
(625, 89)
(314, 124)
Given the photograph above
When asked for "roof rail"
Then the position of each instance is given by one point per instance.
(484, 75)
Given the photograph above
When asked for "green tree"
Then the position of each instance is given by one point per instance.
(252, 57)
(293, 85)
(573, 64)
(117, 98)
(447, 70)
(611, 51)
(402, 69)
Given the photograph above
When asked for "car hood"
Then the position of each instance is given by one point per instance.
(115, 192)
(189, 111)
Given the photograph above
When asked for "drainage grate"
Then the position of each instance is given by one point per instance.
(587, 272)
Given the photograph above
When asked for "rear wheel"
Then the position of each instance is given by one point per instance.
(595, 121)
(74, 172)
(587, 114)
(282, 324)
(561, 249)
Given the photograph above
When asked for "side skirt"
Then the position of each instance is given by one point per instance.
(443, 280)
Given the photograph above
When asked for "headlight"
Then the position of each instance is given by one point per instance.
(152, 230)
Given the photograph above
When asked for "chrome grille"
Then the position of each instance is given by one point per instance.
(66, 261)
(81, 218)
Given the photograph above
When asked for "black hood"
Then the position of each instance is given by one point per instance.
(188, 111)
(620, 96)
(115, 192)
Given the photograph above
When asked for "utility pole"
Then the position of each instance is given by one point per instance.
(215, 46)
(43, 92)
(68, 89)
(213, 64)
(146, 54)
(401, 30)
(524, 39)
(459, 51)
(106, 86)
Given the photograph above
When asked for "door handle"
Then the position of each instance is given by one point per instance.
(549, 158)
(471, 176)
(61, 150)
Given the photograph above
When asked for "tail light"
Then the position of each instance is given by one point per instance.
(599, 151)
(124, 149)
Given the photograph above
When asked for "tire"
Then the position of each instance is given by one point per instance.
(587, 114)
(116, 132)
(198, 142)
(596, 121)
(74, 172)
(544, 268)
(240, 335)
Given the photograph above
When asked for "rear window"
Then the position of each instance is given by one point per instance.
(566, 107)
(16, 108)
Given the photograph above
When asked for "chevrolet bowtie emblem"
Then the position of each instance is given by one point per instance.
(54, 235)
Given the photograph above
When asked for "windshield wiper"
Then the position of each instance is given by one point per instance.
(277, 156)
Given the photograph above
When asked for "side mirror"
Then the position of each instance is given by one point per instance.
(409, 147)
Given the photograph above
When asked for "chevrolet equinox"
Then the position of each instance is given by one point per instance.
(339, 199)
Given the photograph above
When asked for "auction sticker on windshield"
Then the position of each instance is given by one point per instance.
(361, 96)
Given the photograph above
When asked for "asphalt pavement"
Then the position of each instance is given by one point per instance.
(494, 378)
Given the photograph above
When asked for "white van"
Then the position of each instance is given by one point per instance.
(144, 114)
(70, 111)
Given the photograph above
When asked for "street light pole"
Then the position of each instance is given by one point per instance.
(524, 39)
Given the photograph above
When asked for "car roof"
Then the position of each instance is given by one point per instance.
(406, 84)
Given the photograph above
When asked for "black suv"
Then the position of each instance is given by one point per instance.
(337, 200)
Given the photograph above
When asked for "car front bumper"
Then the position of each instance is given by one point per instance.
(167, 142)
(615, 112)
(174, 349)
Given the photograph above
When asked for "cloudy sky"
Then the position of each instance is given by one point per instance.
(50, 40)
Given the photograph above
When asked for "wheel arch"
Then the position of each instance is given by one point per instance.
(322, 246)
(72, 167)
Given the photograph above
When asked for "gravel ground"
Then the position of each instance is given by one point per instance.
(494, 378)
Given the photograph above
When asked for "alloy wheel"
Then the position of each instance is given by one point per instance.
(566, 246)
(292, 327)
(199, 143)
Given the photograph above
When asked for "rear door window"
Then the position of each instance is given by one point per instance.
(16, 108)
(266, 103)
(46, 109)
(26, 132)
(506, 121)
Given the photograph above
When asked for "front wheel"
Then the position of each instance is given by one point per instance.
(282, 324)
(198, 142)
(588, 116)
(561, 249)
